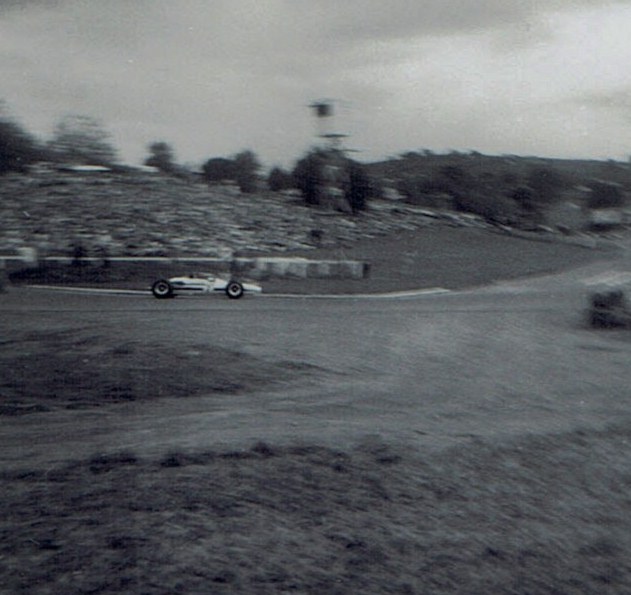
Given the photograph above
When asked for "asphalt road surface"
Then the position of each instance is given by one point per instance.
(427, 369)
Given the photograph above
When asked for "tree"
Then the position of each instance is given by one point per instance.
(246, 166)
(359, 187)
(455, 175)
(161, 157)
(82, 140)
(313, 178)
(605, 195)
(309, 177)
(279, 179)
(17, 147)
(546, 184)
(524, 196)
(218, 169)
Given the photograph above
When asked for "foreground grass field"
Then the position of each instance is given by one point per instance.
(538, 515)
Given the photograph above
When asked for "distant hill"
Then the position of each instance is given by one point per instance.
(516, 168)
(506, 189)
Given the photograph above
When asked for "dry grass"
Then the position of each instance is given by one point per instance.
(78, 368)
(542, 515)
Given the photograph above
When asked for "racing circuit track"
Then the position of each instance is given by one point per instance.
(429, 369)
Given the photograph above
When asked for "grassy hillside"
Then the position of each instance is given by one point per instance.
(514, 169)
(137, 213)
(134, 213)
(508, 189)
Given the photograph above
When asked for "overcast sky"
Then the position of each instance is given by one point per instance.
(213, 77)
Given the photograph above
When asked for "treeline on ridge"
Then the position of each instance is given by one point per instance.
(498, 188)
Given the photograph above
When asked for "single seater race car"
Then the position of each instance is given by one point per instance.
(202, 283)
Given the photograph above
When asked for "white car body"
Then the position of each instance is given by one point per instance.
(202, 283)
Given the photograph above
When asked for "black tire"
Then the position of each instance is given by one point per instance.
(234, 290)
(162, 289)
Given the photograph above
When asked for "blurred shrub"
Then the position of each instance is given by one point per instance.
(161, 157)
(279, 179)
(82, 140)
(218, 169)
(546, 184)
(605, 195)
(17, 148)
(494, 208)
(308, 175)
(360, 188)
(246, 167)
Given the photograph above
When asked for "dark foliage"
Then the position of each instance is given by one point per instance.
(279, 179)
(219, 169)
(82, 140)
(246, 167)
(243, 169)
(359, 187)
(547, 184)
(605, 195)
(161, 157)
(17, 147)
(455, 177)
(493, 207)
(309, 177)
(499, 186)
(524, 196)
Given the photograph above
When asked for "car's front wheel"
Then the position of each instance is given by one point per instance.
(162, 289)
(234, 290)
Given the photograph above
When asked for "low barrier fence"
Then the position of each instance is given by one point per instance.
(254, 267)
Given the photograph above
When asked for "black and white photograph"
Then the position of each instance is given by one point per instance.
(324, 297)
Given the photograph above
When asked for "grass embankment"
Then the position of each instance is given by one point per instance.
(540, 515)
(77, 368)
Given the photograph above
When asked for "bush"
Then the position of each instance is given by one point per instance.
(17, 147)
(430, 191)
(496, 209)
(246, 167)
(309, 177)
(82, 140)
(242, 168)
(605, 195)
(161, 157)
(218, 169)
(359, 187)
(279, 179)
(546, 184)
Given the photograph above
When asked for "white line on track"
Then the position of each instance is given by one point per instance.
(96, 290)
(364, 296)
(137, 292)
(609, 278)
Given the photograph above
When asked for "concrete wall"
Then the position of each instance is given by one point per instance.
(302, 268)
(255, 268)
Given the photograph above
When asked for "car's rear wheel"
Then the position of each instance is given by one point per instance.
(234, 290)
(162, 289)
